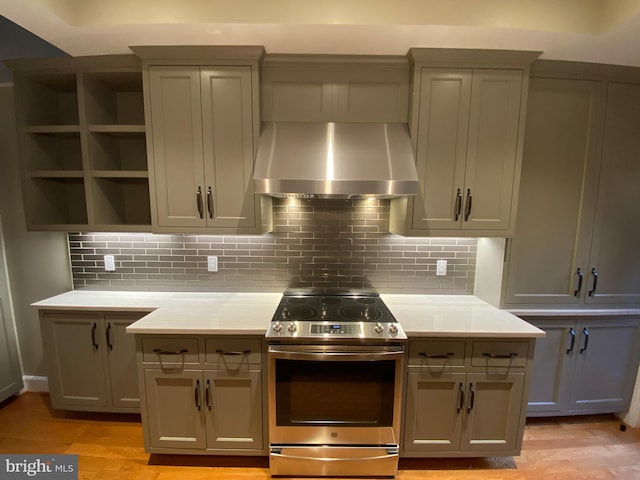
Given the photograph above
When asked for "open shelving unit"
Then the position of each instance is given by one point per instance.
(83, 143)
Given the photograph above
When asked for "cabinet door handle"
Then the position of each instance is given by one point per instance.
(210, 202)
(243, 352)
(197, 394)
(436, 355)
(585, 332)
(460, 397)
(170, 352)
(199, 202)
(207, 394)
(458, 205)
(594, 272)
(472, 398)
(572, 332)
(469, 204)
(93, 336)
(577, 291)
(108, 335)
(500, 355)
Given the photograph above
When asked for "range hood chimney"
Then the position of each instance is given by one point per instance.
(343, 160)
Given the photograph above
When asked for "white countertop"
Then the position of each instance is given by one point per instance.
(250, 313)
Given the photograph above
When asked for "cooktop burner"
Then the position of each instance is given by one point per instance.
(321, 315)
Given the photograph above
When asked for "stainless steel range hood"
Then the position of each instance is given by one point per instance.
(345, 160)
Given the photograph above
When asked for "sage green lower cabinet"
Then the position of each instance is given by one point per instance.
(584, 365)
(91, 361)
(202, 395)
(466, 399)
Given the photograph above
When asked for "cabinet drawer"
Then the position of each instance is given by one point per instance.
(499, 354)
(222, 352)
(170, 351)
(437, 353)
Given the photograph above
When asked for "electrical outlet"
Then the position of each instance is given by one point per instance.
(109, 263)
(441, 268)
(212, 264)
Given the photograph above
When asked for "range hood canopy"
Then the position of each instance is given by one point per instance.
(344, 160)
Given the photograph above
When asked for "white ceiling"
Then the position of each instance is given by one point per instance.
(600, 31)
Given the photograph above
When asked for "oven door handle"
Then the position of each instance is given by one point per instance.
(335, 356)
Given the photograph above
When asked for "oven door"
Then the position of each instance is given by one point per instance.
(334, 394)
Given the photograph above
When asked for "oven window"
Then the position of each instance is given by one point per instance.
(348, 394)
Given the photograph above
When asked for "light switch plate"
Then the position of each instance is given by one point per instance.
(212, 264)
(441, 268)
(109, 263)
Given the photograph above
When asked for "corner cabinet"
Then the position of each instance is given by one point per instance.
(204, 125)
(577, 241)
(467, 125)
(81, 130)
(202, 394)
(584, 365)
(466, 398)
(91, 361)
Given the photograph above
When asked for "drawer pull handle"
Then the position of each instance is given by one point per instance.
(235, 353)
(207, 394)
(196, 395)
(472, 398)
(458, 207)
(436, 355)
(170, 352)
(500, 355)
(93, 336)
(580, 276)
(108, 334)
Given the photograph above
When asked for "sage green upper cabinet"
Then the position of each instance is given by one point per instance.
(557, 192)
(467, 128)
(204, 118)
(615, 256)
(577, 240)
(335, 88)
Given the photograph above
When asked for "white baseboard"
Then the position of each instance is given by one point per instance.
(35, 384)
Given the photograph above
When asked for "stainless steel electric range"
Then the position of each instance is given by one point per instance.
(334, 384)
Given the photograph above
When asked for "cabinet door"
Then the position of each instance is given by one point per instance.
(10, 375)
(434, 411)
(490, 175)
(607, 357)
(233, 400)
(552, 366)
(176, 131)
(228, 147)
(557, 193)
(615, 255)
(121, 358)
(493, 406)
(441, 149)
(75, 347)
(175, 409)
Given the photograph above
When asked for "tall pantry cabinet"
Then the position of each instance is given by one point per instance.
(577, 237)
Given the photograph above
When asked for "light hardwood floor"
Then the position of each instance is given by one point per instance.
(110, 447)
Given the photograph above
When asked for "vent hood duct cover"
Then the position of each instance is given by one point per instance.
(346, 160)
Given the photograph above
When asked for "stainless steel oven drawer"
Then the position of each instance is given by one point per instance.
(333, 461)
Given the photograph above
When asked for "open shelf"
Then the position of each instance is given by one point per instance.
(52, 151)
(121, 201)
(57, 201)
(118, 151)
(114, 98)
(50, 100)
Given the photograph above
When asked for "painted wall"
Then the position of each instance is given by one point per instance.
(38, 262)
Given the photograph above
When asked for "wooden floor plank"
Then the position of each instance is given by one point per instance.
(110, 447)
